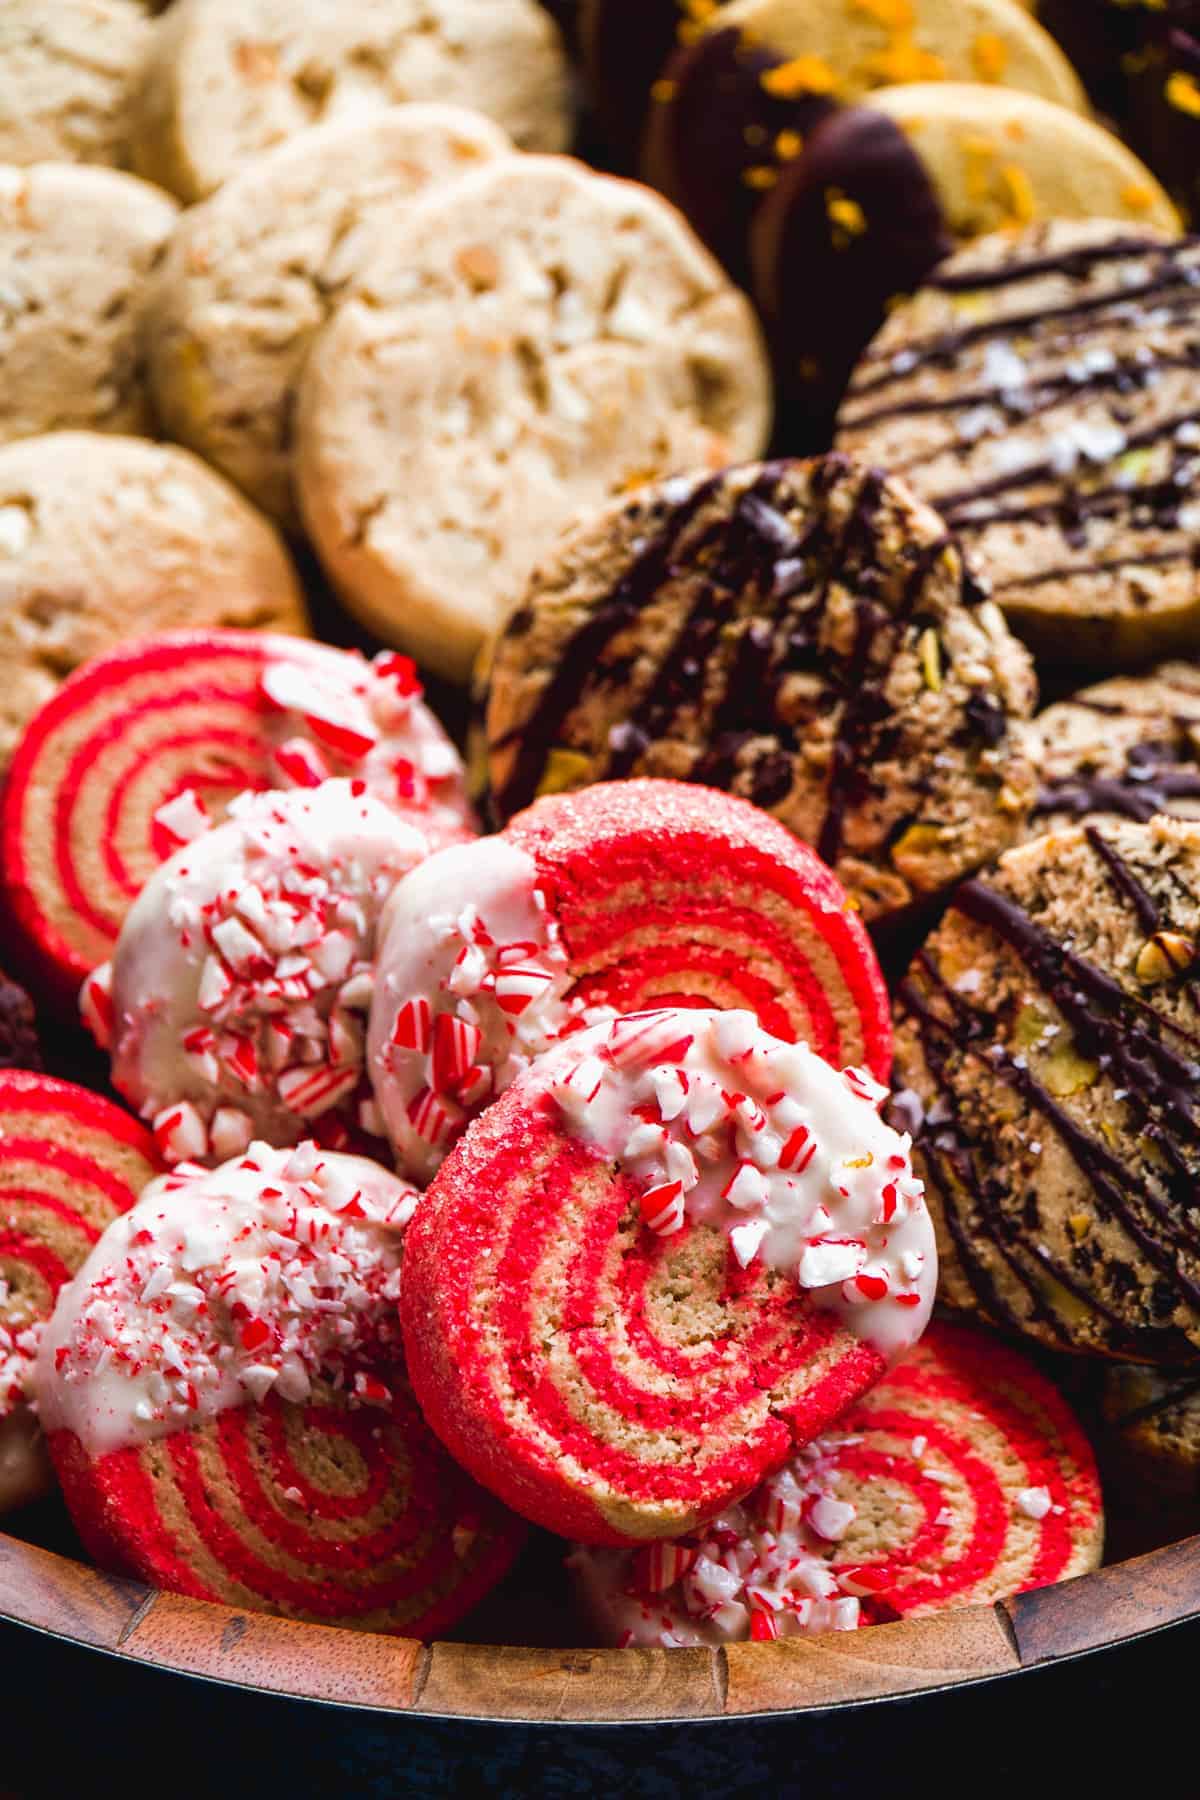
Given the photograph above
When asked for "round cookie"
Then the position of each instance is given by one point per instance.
(251, 275)
(624, 46)
(803, 633)
(69, 1164)
(1126, 748)
(69, 75)
(102, 538)
(253, 1439)
(1039, 392)
(1046, 1054)
(962, 1477)
(533, 340)
(228, 79)
(235, 1002)
(77, 248)
(622, 897)
(146, 745)
(674, 1248)
(1150, 1449)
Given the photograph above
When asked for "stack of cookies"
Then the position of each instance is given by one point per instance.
(578, 1142)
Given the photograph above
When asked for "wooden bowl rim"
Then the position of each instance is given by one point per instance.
(81, 1606)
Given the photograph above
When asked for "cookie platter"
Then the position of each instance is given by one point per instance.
(647, 1084)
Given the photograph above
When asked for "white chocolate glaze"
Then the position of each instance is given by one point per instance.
(471, 986)
(235, 1003)
(717, 1121)
(221, 1285)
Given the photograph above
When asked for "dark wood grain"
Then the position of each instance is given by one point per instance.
(1118, 1602)
(70, 1600)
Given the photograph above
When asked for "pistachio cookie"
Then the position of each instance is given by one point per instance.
(1126, 748)
(77, 247)
(804, 634)
(228, 79)
(69, 76)
(104, 538)
(530, 341)
(1046, 1059)
(281, 241)
(1039, 391)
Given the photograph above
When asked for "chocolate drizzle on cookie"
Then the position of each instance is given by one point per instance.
(1142, 1172)
(803, 585)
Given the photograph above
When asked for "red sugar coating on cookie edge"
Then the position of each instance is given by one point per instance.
(664, 838)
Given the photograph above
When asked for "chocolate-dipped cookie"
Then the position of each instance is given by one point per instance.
(1040, 392)
(1149, 1449)
(803, 634)
(1047, 1059)
(1126, 748)
(20, 1047)
(624, 46)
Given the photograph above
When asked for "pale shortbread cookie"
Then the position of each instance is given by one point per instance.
(252, 273)
(228, 79)
(532, 342)
(859, 47)
(102, 538)
(76, 248)
(69, 75)
(1000, 158)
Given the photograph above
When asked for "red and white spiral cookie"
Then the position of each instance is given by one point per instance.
(624, 895)
(235, 1005)
(962, 1477)
(70, 1162)
(674, 1248)
(223, 1392)
(144, 747)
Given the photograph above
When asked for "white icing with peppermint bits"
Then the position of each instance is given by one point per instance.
(471, 985)
(221, 1286)
(235, 1005)
(761, 1570)
(718, 1122)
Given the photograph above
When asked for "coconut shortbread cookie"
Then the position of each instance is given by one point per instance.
(1039, 392)
(805, 634)
(235, 1003)
(77, 247)
(106, 538)
(1126, 748)
(960, 1478)
(1046, 1060)
(533, 340)
(69, 77)
(251, 275)
(223, 1389)
(674, 1248)
(228, 79)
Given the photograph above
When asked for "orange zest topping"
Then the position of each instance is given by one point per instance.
(802, 75)
(1183, 93)
(989, 53)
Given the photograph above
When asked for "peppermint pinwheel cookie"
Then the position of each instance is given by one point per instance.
(627, 895)
(70, 1163)
(804, 633)
(251, 1438)
(960, 1478)
(235, 1003)
(674, 1249)
(144, 748)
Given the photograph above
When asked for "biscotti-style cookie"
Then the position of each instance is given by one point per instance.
(1040, 392)
(77, 247)
(673, 1249)
(609, 899)
(69, 74)
(960, 1478)
(1046, 1055)
(804, 634)
(1126, 748)
(228, 79)
(253, 1440)
(252, 274)
(103, 538)
(532, 340)
(70, 1162)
